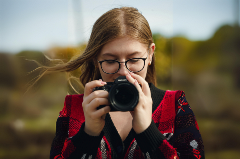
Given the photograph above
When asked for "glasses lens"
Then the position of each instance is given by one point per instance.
(110, 66)
(135, 65)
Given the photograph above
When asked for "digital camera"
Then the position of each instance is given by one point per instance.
(123, 95)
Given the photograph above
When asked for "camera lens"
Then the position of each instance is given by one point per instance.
(123, 97)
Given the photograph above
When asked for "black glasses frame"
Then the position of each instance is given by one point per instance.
(144, 59)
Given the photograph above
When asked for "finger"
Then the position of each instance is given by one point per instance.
(92, 106)
(132, 113)
(139, 78)
(90, 85)
(145, 87)
(96, 94)
(138, 82)
(130, 78)
(100, 113)
(134, 82)
(103, 116)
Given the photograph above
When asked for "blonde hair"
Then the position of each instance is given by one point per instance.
(118, 22)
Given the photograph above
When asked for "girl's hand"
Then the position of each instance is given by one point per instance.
(142, 114)
(95, 118)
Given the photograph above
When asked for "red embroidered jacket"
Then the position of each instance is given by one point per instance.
(174, 132)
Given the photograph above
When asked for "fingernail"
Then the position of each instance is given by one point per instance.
(136, 81)
(103, 82)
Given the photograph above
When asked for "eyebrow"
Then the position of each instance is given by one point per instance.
(113, 55)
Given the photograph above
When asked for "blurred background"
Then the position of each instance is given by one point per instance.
(197, 50)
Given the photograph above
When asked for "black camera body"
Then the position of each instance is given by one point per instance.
(123, 95)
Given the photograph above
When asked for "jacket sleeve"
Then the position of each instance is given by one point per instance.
(185, 142)
(187, 139)
(81, 145)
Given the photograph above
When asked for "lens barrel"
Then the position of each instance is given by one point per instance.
(123, 95)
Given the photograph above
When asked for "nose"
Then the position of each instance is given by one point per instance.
(123, 71)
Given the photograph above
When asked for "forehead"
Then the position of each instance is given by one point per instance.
(123, 46)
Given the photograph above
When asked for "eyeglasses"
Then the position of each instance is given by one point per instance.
(113, 66)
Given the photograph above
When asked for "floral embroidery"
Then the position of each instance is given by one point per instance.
(196, 154)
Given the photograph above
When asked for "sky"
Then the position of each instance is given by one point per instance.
(41, 24)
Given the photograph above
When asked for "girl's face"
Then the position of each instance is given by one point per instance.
(123, 49)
